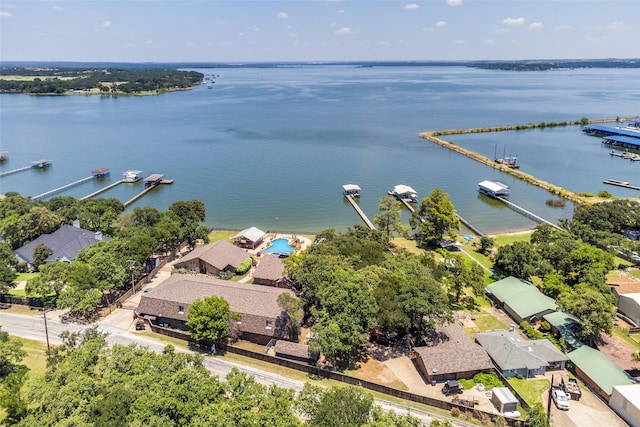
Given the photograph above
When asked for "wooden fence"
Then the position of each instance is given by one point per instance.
(337, 376)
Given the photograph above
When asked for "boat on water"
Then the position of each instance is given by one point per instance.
(494, 189)
(132, 176)
(4, 155)
(508, 161)
(404, 192)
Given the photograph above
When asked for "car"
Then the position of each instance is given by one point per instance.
(452, 387)
(140, 325)
(561, 399)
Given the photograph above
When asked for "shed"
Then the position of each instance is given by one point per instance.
(625, 401)
(293, 351)
(629, 305)
(504, 400)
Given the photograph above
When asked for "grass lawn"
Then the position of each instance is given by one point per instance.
(530, 389)
(486, 322)
(634, 272)
(409, 245)
(26, 276)
(216, 235)
(507, 239)
(623, 334)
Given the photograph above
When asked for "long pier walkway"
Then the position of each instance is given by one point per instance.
(622, 184)
(467, 224)
(102, 190)
(359, 211)
(140, 194)
(12, 171)
(64, 187)
(528, 214)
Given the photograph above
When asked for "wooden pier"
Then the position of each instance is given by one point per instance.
(12, 171)
(623, 184)
(359, 211)
(150, 183)
(64, 187)
(528, 214)
(102, 190)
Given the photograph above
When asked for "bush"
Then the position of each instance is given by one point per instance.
(179, 271)
(605, 194)
(488, 380)
(244, 266)
(455, 412)
(519, 377)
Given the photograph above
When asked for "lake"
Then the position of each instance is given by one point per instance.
(272, 147)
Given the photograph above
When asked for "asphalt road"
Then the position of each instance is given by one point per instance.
(32, 327)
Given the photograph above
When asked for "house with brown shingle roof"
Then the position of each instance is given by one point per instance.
(450, 354)
(269, 271)
(293, 351)
(213, 259)
(261, 318)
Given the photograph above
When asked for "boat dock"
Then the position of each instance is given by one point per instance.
(623, 184)
(38, 164)
(150, 183)
(466, 223)
(359, 211)
(102, 190)
(528, 214)
(64, 187)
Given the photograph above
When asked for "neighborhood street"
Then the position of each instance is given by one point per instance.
(32, 327)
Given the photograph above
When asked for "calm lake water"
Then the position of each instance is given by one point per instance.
(271, 147)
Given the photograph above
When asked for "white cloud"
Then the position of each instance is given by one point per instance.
(5, 14)
(344, 31)
(563, 27)
(535, 26)
(513, 21)
(57, 8)
(618, 26)
(461, 41)
(441, 24)
(411, 6)
(282, 15)
(106, 24)
(454, 2)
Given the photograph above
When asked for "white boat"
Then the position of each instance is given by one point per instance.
(494, 189)
(132, 176)
(404, 192)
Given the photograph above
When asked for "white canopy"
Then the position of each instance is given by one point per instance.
(403, 189)
(253, 234)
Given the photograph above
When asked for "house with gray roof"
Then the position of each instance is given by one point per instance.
(520, 299)
(513, 355)
(449, 354)
(213, 259)
(261, 318)
(63, 244)
(269, 271)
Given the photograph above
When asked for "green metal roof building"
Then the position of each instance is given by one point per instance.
(598, 371)
(564, 324)
(520, 299)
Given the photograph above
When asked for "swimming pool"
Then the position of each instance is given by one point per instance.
(280, 246)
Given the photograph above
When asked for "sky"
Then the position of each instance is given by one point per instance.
(317, 30)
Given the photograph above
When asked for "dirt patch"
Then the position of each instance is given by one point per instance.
(618, 351)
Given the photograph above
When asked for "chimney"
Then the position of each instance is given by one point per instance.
(76, 223)
(98, 235)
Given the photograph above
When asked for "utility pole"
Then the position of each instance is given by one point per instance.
(46, 329)
(132, 268)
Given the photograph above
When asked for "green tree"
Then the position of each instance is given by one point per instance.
(518, 259)
(11, 354)
(293, 307)
(486, 243)
(537, 417)
(80, 292)
(51, 280)
(343, 406)
(390, 217)
(439, 218)
(593, 309)
(8, 263)
(40, 254)
(209, 318)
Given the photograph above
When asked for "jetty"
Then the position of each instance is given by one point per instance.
(350, 191)
(528, 214)
(64, 187)
(38, 164)
(102, 190)
(151, 182)
(623, 184)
